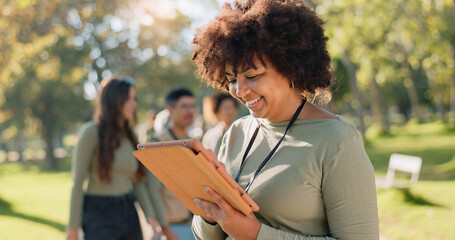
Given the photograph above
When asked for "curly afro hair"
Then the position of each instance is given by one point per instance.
(285, 32)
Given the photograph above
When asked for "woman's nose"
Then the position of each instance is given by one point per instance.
(242, 88)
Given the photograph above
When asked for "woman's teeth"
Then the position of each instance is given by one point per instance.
(253, 101)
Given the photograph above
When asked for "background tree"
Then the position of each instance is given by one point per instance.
(54, 54)
(391, 60)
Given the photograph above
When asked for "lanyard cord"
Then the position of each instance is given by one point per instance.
(172, 134)
(267, 159)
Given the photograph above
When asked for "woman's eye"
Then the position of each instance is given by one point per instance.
(252, 77)
(232, 81)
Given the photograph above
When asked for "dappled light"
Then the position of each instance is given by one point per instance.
(393, 70)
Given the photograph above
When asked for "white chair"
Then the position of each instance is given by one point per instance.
(403, 163)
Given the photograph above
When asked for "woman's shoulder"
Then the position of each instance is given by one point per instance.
(327, 130)
(343, 127)
(89, 128)
(342, 131)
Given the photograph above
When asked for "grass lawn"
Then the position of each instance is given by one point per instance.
(34, 203)
(426, 210)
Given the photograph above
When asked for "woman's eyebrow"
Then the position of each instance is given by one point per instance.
(243, 71)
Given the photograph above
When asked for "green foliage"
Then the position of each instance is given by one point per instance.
(56, 50)
(53, 54)
(375, 131)
(402, 46)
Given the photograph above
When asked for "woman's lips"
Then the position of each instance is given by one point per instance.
(253, 103)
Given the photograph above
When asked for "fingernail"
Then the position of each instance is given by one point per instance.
(198, 202)
(206, 189)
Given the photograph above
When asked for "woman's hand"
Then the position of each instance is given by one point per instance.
(155, 227)
(236, 224)
(72, 234)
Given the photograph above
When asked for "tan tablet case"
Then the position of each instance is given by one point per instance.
(186, 173)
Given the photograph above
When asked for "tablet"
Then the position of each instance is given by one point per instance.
(185, 167)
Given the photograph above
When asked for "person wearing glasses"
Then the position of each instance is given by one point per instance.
(103, 159)
(305, 167)
(181, 105)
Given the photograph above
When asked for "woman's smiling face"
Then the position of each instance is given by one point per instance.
(264, 91)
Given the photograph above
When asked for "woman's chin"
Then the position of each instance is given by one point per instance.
(256, 114)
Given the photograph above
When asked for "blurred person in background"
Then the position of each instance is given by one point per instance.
(161, 122)
(225, 109)
(146, 129)
(104, 159)
(181, 106)
(208, 115)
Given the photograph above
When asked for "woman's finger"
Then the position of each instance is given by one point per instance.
(210, 208)
(219, 200)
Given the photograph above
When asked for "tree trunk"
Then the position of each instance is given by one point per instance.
(438, 98)
(452, 94)
(410, 85)
(19, 145)
(51, 161)
(357, 105)
(379, 107)
(47, 124)
(452, 85)
(439, 101)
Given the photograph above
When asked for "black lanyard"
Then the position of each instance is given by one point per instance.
(267, 159)
(173, 134)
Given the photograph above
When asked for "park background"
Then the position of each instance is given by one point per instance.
(393, 62)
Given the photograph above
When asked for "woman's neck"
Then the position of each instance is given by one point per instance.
(311, 111)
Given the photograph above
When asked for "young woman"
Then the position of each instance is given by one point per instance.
(225, 108)
(104, 157)
(305, 167)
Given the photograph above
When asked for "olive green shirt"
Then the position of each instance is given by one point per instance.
(86, 180)
(318, 185)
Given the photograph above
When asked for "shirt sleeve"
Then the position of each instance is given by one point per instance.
(82, 156)
(269, 233)
(143, 197)
(203, 230)
(349, 193)
(154, 187)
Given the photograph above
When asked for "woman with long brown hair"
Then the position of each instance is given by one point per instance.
(104, 157)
